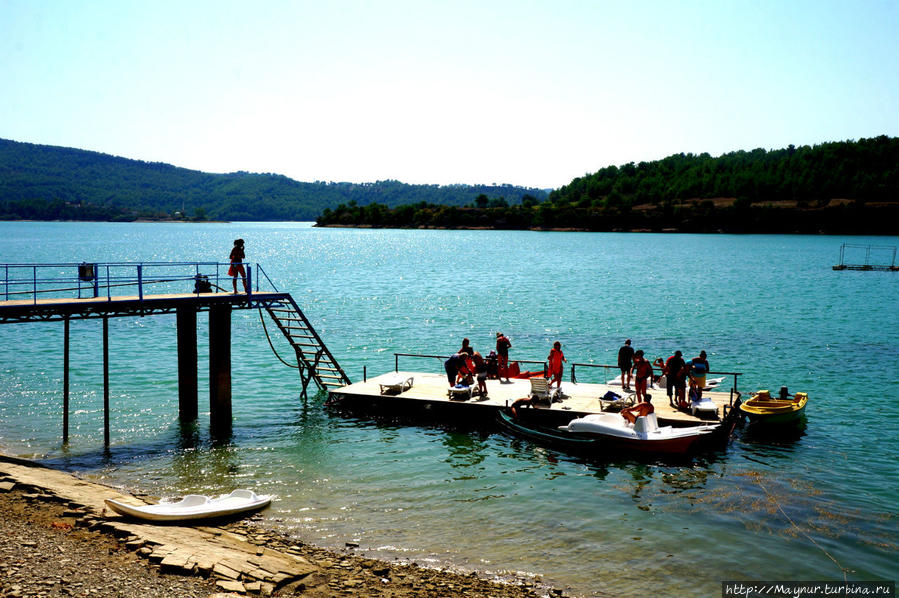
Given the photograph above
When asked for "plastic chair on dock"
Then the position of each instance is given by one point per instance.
(616, 401)
(396, 386)
(540, 391)
(459, 392)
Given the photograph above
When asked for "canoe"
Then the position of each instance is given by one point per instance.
(194, 506)
(762, 408)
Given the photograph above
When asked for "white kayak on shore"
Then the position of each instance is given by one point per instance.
(194, 506)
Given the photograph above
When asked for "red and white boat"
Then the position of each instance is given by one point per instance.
(644, 435)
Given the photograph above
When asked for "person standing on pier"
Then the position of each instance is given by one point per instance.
(642, 375)
(466, 347)
(625, 362)
(503, 345)
(555, 359)
(697, 368)
(237, 257)
(674, 376)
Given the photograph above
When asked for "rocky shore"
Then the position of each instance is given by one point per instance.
(55, 541)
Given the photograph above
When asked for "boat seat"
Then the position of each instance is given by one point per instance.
(646, 424)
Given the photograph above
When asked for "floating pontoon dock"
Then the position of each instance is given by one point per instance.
(875, 257)
(428, 395)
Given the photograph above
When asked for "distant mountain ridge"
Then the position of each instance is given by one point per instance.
(50, 182)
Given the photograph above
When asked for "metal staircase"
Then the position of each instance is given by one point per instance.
(313, 358)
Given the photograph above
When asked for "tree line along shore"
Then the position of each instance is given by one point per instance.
(846, 187)
(841, 188)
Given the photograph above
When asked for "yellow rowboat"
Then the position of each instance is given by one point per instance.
(761, 407)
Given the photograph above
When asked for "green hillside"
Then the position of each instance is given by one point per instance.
(849, 187)
(48, 182)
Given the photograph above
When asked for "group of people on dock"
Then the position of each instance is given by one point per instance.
(467, 365)
(675, 370)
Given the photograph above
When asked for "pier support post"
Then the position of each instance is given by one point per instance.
(220, 369)
(106, 381)
(65, 383)
(187, 363)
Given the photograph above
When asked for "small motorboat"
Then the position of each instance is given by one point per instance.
(762, 408)
(194, 506)
(643, 436)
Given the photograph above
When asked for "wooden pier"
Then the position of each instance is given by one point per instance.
(63, 292)
(428, 397)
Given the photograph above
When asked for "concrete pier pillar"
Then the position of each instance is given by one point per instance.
(220, 369)
(187, 363)
(65, 383)
(106, 381)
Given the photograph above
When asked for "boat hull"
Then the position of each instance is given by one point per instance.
(773, 411)
(609, 444)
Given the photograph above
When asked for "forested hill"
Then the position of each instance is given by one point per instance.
(865, 170)
(847, 187)
(54, 183)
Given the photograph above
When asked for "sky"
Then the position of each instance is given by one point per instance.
(521, 92)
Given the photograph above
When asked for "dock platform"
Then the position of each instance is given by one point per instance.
(428, 395)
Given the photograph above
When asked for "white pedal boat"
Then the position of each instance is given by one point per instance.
(644, 435)
(194, 506)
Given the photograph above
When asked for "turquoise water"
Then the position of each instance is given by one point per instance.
(804, 508)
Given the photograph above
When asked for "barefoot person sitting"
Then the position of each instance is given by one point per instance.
(640, 409)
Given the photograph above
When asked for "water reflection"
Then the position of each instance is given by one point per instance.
(198, 469)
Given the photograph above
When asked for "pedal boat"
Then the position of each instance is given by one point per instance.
(193, 507)
(762, 408)
(643, 436)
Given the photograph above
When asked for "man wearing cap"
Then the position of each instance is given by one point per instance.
(625, 361)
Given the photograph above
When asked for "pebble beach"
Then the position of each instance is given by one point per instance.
(53, 544)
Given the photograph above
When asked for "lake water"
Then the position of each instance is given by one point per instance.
(817, 506)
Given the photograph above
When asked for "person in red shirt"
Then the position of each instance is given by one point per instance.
(555, 358)
(642, 374)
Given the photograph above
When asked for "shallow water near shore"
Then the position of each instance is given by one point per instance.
(813, 506)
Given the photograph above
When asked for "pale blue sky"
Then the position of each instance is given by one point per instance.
(524, 92)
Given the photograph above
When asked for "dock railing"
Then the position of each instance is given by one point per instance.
(117, 279)
(733, 389)
(882, 251)
(396, 360)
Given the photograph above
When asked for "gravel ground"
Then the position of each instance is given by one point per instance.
(43, 552)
